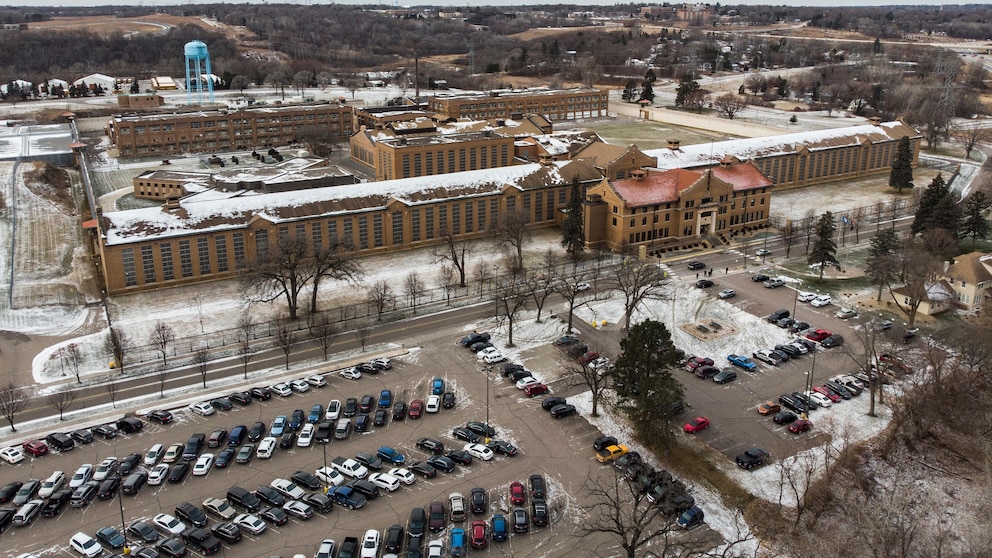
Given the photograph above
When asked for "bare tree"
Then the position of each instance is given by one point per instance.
(112, 388)
(730, 104)
(482, 273)
(808, 227)
(414, 287)
(162, 335)
(569, 290)
(796, 475)
(379, 295)
(620, 509)
(512, 234)
(75, 358)
(452, 250)
(597, 380)
(540, 287)
(163, 376)
(362, 333)
(879, 208)
(12, 402)
(324, 333)
(917, 271)
(511, 297)
(200, 359)
(61, 399)
(280, 271)
(788, 232)
(284, 340)
(118, 343)
(970, 135)
(336, 261)
(895, 206)
(446, 280)
(196, 301)
(246, 332)
(638, 282)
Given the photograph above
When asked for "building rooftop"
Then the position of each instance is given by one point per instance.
(265, 109)
(666, 186)
(513, 93)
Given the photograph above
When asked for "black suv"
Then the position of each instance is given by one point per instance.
(60, 441)
(754, 457)
(537, 488)
(191, 514)
(777, 315)
(474, 338)
(431, 445)
(130, 425)
(202, 541)
(305, 480)
(478, 502)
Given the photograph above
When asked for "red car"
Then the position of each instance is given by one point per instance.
(36, 448)
(818, 335)
(517, 494)
(695, 362)
(800, 426)
(895, 362)
(697, 424)
(535, 389)
(416, 409)
(588, 357)
(479, 534)
(824, 390)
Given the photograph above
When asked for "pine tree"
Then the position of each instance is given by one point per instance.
(881, 267)
(647, 358)
(901, 176)
(573, 236)
(686, 90)
(824, 250)
(975, 224)
(647, 93)
(925, 212)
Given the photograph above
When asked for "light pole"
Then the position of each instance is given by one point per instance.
(120, 502)
(795, 302)
(323, 447)
(809, 383)
(488, 369)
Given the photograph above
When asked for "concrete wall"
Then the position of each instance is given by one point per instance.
(690, 120)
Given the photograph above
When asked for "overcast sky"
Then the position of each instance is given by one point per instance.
(463, 3)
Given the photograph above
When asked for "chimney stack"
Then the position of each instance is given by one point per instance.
(673, 144)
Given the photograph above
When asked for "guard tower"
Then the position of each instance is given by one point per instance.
(198, 71)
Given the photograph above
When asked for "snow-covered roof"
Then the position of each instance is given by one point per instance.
(705, 154)
(35, 141)
(95, 78)
(666, 186)
(543, 91)
(214, 210)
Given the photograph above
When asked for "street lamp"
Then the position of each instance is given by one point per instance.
(795, 302)
(120, 502)
(809, 383)
(323, 447)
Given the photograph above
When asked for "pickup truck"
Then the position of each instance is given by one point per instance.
(610, 453)
(346, 496)
(201, 541)
(349, 548)
(350, 467)
(754, 457)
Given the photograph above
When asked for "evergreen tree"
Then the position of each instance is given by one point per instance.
(926, 212)
(647, 93)
(901, 176)
(824, 250)
(881, 266)
(975, 224)
(947, 215)
(649, 76)
(686, 90)
(573, 237)
(650, 390)
(629, 91)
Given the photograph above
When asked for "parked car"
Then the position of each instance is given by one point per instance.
(727, 293)
(774, 283)
(697, 424)
(742, 361)
(724, 376)
(821, 300)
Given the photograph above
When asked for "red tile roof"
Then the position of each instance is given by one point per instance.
(666, 186)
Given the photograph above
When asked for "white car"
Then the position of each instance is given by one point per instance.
(266, 447)
(174, 452)
(169, 524)
(435, 549)
(801, 347)
(51, 484)
(306, 436)
(82, 474)
(805, 296)
(370, 544)
(493, 358)
(220, 508)
(600, 363)
(12, 455)
(203, 408)
(845, 313)
(329, 476)
(316, 380)
(385, 481)
(288, 489)
(85, 545)
(153, 455)
(528, 381)
(764, 355)
(821, 300)
(282, 390)
(762, 252)
(583, 286)
(250, 524)
(727, 293)
(351, 373)
(819, 398)
(405, 476)
(158, 474)
(479, 451)
(488, 351)
(382, 362)
(203, 464)
(299, 386)
(326, 549)
(105, 468)
(333, 410)
(433, 404)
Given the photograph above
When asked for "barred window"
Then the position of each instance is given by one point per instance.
(429, 218)
(551, 206)
(185, 259)
(538, 206)
(397, 227)
(165, 253)
(347, 231)
(377, 230)
(127, 258)
(494, 209)
(301, 231)
(468, 217)
(316, 234)
(332, 231)
(220, 246)
(283, 232)
(363, 232)
(148, 264)
(203, 253)
(239, 250)
(415, 224)
(456, 219)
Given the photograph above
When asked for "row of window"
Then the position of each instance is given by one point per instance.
(206, 262)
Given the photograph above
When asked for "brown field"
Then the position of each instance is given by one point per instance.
(151, 23)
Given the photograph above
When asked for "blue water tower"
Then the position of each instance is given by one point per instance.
(198, 71)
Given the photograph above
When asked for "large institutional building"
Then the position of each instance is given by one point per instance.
(653, 199)
(553, 104)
